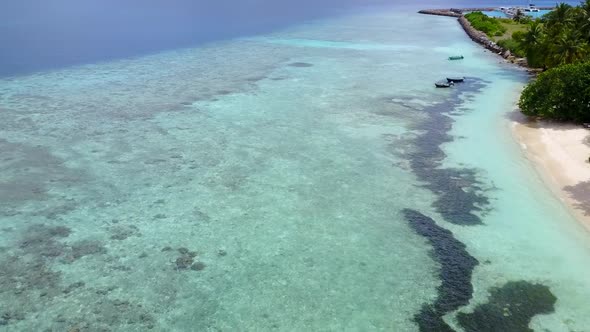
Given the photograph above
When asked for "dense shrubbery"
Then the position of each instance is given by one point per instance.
(561, 93)
(489, 25)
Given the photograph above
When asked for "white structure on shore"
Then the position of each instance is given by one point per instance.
(512, 11)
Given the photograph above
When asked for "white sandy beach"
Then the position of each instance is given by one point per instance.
(560, 153)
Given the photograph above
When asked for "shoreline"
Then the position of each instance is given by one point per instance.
(559, 153)
(478, 36)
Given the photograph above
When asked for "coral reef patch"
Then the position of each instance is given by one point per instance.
(510, 308)
(459, 192)
(456, 268)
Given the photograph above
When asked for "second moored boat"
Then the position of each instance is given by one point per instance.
(455, 79)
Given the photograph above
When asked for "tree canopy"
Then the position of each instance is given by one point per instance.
(561, 93)
(559, 43)
(561, 37)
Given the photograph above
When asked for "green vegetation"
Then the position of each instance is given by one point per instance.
(559, 43)
(513, 44)
(511, 26)
(489, 25)
(561, 37)
(561, 93)
(501, 30)
(522, 18)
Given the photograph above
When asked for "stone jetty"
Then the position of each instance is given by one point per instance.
(476, 35)
(440, 12)
(453, 12)
(480, 37)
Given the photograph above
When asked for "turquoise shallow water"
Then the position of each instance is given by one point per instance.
(309, 179)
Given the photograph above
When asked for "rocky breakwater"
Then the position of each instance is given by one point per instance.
(476, 35)
(442, 12)
(482, 39)
(452, 12)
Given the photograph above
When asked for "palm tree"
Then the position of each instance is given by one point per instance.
(583, 19)
(569, 47)
(559, 17)
(519, 16)
(532, 44)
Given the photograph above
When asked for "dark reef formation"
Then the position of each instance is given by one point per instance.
(459, 199)
(30, 282)
(459, 193)
(510, 308)
(186, 260)
(456, 267)
(300, 64)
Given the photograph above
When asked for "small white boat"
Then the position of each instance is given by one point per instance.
(532, 7)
